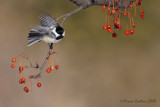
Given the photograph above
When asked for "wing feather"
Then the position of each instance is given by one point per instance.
(47, 20)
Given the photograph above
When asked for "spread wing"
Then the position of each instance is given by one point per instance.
(47, 20)
(43, 30)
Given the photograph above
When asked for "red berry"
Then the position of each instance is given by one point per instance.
(109, 26)
(140, 0)
(104, 27)
(134, 25)
(20, 69)
(103, 7)
(130, 6)
(56, 66)
(52, 67)
(115, 21)
(26, 89)
(141, 14)
(125, 14)
(127, 32)
(20, 81)
(120, 27)
(48, 70)
(116, 27)
(114, 35)
(14, 60)
(38, 84)
(138, 4)
(142, 17)
(12, 66)
(142, 11)
(23, 80)
(113, 11)
(109, 30)
(132, 31)
(118, 23)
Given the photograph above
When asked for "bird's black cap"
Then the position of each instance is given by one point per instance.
(59, 30)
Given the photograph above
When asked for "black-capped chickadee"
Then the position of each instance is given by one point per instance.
(49, 31)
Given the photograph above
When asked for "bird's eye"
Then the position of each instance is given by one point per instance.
(59, 30)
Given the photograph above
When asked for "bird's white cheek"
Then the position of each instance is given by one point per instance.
(54, 31)
(63, 34)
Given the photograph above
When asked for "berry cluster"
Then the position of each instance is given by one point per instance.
(52, 67)
(114, 13)
(23, 79)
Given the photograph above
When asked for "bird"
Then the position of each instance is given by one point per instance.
(49, 31)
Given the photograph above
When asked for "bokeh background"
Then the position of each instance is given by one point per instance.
(95, 69)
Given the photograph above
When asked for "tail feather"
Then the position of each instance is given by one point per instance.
(32, 42)
(34, 36)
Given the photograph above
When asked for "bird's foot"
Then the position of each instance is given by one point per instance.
(51, 46)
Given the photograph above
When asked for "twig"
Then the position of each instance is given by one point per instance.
(65, 16)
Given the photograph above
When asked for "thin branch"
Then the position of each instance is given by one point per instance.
(65, 16)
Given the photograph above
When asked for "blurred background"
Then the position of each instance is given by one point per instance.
(95, 69)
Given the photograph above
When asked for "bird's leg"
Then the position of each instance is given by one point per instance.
(51, 46)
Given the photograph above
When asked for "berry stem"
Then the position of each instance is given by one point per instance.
(130, 22)
(31, 84)
(109, 4)
(113, 4)
(135, 10)
(106, 20)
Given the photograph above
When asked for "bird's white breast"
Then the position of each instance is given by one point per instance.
(48, 39)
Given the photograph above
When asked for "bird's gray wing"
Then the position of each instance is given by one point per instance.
(40, 29)
(43, 30)
(47, 20)
(52, 35)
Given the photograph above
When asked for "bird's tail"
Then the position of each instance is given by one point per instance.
(34, 36)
